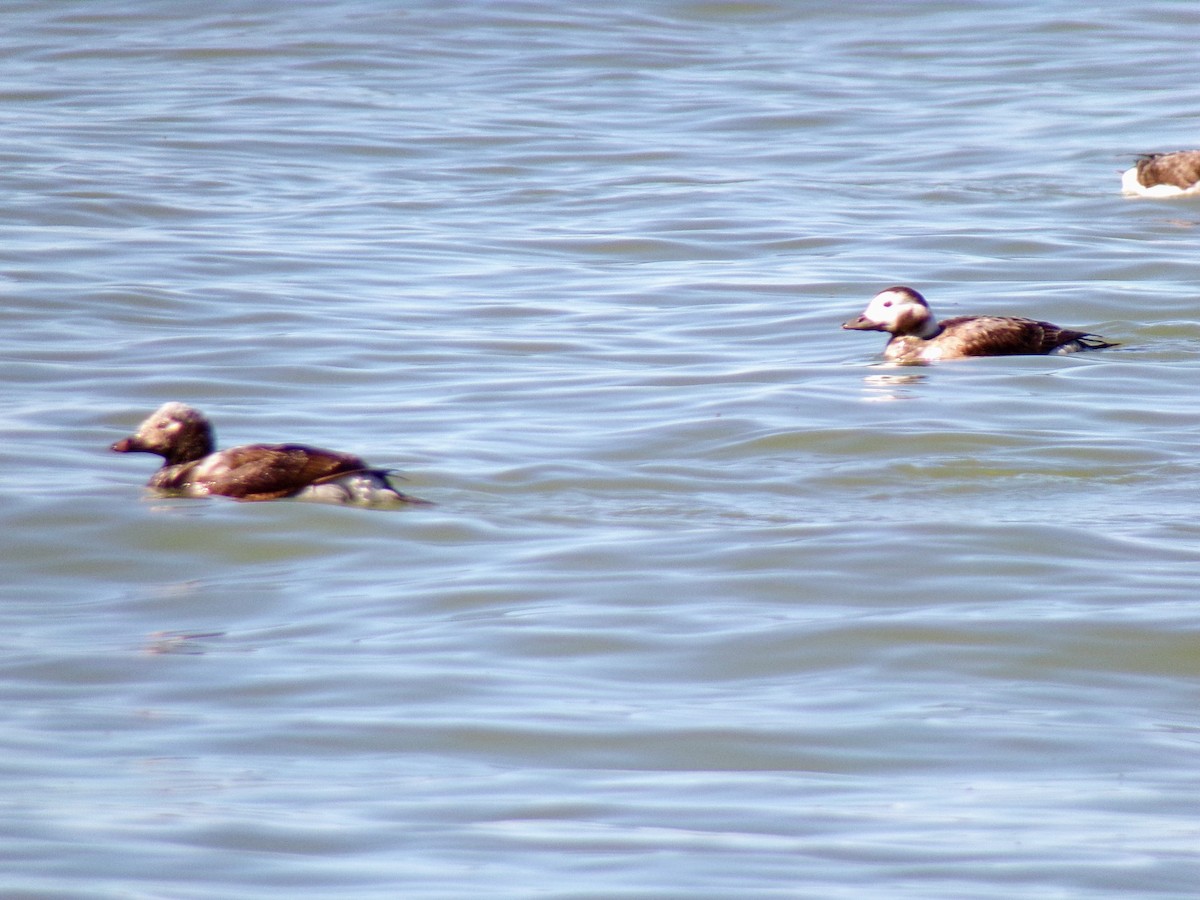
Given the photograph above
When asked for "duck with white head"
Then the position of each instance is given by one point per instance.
(192, 467)
(917, 336)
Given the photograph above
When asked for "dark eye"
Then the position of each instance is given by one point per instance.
(887, 302)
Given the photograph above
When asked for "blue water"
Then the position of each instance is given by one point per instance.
(711, 603)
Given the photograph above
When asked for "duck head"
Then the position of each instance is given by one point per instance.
(896, 310)
(176, 432)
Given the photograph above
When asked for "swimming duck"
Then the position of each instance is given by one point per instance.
(184, 438)
(918, 337)
(1163, 175)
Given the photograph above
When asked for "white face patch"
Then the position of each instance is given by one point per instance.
(169, 420)
(886, 307)
(159, 425)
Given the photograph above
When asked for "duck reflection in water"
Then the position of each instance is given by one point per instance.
(881, 388)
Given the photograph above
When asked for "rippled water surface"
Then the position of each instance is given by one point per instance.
(711, 603)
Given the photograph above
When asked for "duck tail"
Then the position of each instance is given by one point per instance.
(1095, 342)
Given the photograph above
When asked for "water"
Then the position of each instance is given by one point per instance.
(711, 604)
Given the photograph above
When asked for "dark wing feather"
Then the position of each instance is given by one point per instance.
(271, 471)
(1003, 336)
(1181, 169)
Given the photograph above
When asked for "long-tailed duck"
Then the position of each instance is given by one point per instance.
(191, 468)
(1163, 175)
(919, 337)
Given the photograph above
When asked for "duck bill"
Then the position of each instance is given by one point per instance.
(128, 445)
(862, 323)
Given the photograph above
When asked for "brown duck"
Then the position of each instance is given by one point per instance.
(183, 437)
(919, 337)
(1163, 175)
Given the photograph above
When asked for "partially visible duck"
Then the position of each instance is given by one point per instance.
(919, 337)
(1163, 175)
(183, 437)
